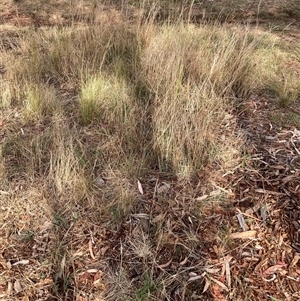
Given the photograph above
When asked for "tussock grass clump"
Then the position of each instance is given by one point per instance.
(185, 129)
(193, 72)
(109, 103)
(195, 75)
(63, 55)
(70, 55)
(48, 155)
(107, 100)
(66, 169)
(275, 71)
(210, 56)
(6, 97)
(282, 79)
(40, 101)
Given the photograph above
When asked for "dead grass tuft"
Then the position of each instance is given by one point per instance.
(192, 94)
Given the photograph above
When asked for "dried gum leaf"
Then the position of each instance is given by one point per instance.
(163, 188)
(203, 197)
(183, 262)
(295, 260)
(273, 269)
(227, 272)
(91, 249)
(158, 218)
(21, 262)
(220, 284)
(206, 286)
(194, 278)
(17, 286)
(243, 235)
(162, 266)
(140, 188)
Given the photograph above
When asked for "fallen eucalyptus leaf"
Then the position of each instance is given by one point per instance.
(158, 218)
(221, 284)
(140, 187)
(243, 235)
(17, 286)
(206, 286)
(163, 188)
(194, 278)
(21, 262)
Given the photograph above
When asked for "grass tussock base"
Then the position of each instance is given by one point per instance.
(96, 110)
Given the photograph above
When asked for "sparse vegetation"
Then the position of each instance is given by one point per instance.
(115, 136)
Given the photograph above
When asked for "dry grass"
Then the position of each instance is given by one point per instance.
(192, 95)
(89, 110)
